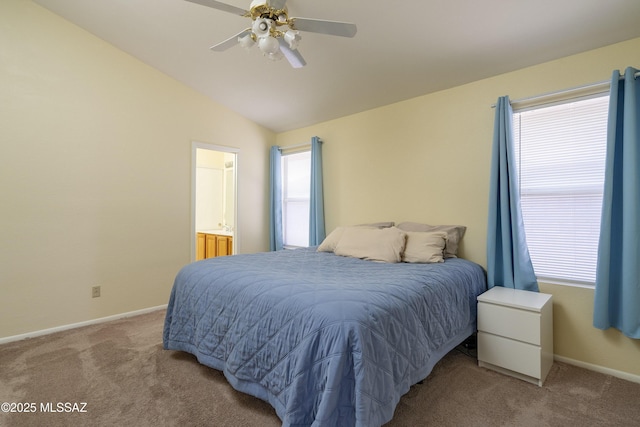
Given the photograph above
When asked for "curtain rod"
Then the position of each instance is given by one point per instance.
(589, 89)
(302, 144)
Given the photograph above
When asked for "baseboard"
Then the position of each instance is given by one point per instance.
(597, 368)
(80, 324)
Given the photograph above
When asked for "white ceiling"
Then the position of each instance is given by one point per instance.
(403, 49)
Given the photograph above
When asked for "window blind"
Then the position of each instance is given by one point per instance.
(296, 179)
(560, 155)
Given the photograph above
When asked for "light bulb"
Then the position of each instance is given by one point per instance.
(275, 56)
(268, 45)
(246, 41)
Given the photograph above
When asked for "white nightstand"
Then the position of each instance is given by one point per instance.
(515, 333)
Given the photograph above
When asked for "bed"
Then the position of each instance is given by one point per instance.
(327, 340)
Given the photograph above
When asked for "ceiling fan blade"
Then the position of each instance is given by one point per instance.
(277, 4)
(333, 28)
(293, 56)
(221, 6)
(230, 42)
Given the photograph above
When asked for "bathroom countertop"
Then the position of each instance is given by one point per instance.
(219, 232)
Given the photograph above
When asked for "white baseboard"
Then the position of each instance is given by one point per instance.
(80, 324)
(597, 368)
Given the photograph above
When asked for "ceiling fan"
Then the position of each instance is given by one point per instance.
(275, 33)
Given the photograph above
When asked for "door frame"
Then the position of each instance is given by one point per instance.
(195, 145)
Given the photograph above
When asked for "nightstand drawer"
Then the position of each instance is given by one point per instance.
(513, 355)
(521, 325)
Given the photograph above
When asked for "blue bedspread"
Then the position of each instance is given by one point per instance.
(326, 340)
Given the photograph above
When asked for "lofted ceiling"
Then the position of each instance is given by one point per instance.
(403, 49)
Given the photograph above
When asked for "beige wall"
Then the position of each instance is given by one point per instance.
(95, 169)
(428, 159)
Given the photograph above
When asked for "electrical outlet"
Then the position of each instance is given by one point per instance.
(95, 292)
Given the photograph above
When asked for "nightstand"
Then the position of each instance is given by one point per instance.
(515, 333)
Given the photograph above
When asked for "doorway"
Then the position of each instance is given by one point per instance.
(214, 204)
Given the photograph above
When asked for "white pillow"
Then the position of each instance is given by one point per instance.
(373, 244)
(424, 246)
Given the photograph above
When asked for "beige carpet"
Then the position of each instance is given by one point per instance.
(121, 372)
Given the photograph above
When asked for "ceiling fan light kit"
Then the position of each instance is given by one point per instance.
(292, 37)
(276, 34)
(246, 41)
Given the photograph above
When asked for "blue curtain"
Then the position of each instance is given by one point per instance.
(316, 204)
(275, 200)
(508, 261)
(617, 293)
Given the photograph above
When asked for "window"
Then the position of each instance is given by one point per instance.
(296, 186)
(560, 156)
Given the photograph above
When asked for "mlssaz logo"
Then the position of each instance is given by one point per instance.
(63, 407)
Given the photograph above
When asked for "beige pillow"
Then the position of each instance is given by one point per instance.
(454, 234)
(330, 242)
(424, 246)
(373, 244)
(385, 224)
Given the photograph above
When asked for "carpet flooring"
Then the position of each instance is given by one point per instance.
(117, 374)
